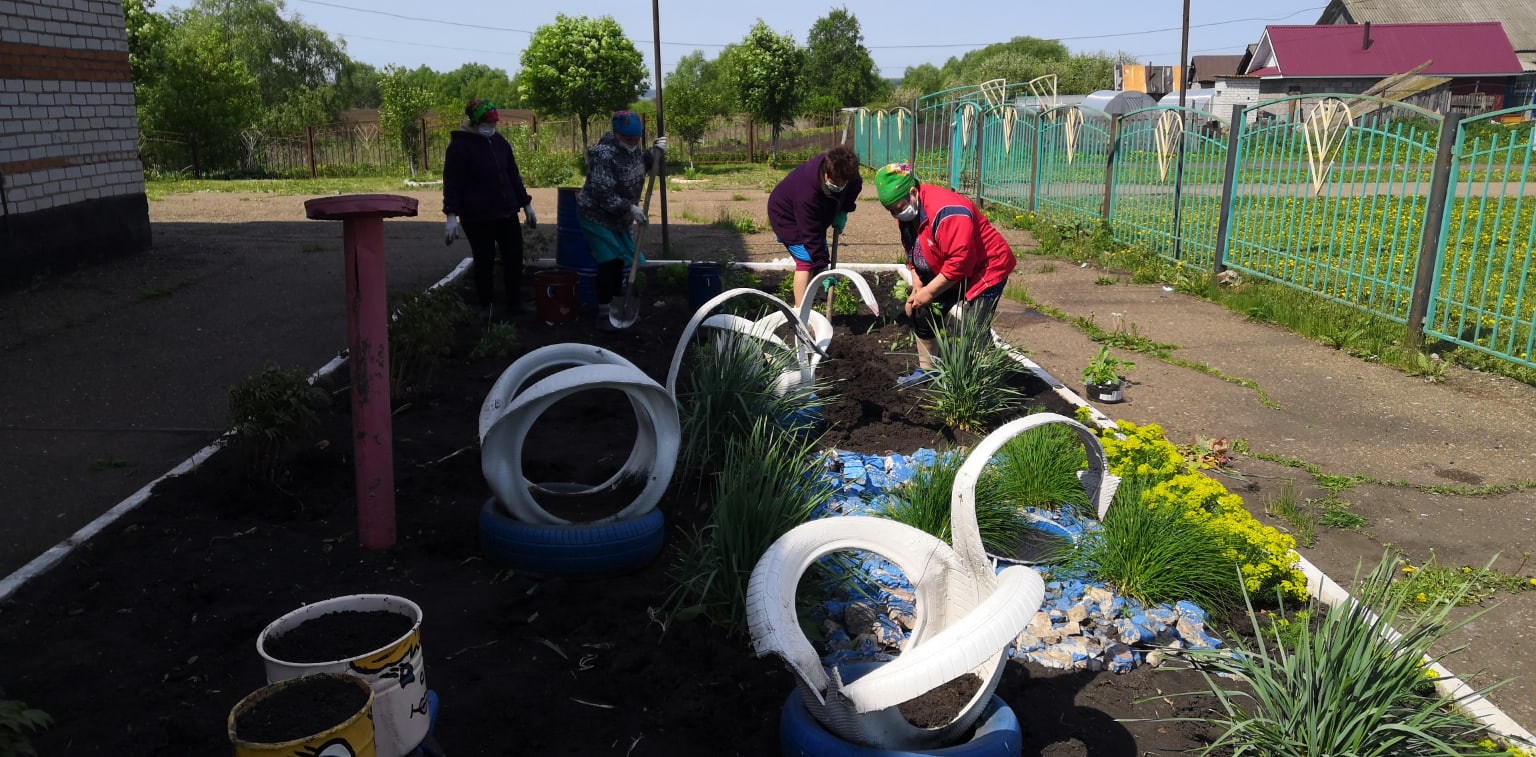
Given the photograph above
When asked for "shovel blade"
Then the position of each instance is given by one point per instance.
(623, 311)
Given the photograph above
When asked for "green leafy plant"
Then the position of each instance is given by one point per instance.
(1105, 369)
(924, 502)
(421, 334)
(768, 484)
(1039, 468)
(845, 299)
(731, 386)
(740, 223)
(271, 410)
(498, 342)
(18, 723)
(1430, 584)
(1353, 686)
(1289, 508)
(972, 375)
(1150, 551)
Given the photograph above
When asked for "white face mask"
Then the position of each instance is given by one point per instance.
(486, 130)
(908, 213)
(833, 188)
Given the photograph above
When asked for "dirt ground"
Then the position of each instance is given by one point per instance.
(239, 280)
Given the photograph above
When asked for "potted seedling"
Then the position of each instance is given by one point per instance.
(1102, 376)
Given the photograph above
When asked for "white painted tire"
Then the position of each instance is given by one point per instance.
(657, 441)
(960, 627)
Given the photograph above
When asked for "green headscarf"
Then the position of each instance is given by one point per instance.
(893, 182)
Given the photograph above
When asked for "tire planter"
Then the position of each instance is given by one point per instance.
(296, 699)
(1106, 393)
(997, 734)
(396, 671)
(601, 548)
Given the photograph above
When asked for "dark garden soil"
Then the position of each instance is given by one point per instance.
(142, 641)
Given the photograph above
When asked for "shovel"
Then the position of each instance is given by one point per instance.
(831, 287)
(624, 310)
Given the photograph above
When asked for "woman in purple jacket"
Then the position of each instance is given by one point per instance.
(819, 193)
(482, 192)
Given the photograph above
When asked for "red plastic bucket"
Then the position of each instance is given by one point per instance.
(554, 296)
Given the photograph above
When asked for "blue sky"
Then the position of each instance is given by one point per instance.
(445, 34)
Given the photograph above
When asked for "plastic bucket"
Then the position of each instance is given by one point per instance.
(554, 296)
(355, 732)
(704, 282)
(397, 671)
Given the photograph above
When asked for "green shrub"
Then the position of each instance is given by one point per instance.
(421, 334)
(498, 342)
(1157, 555)
(272, 409)
(17, 723)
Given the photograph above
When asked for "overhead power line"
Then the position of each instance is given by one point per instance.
(1077, 38)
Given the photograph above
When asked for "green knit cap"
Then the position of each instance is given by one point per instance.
(894, 181)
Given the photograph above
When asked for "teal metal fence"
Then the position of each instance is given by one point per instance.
(1367, 202)
(1483, 296)
(1332, 203)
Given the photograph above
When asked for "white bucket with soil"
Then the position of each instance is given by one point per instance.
(374, 636)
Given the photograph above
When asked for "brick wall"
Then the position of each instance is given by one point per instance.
(68, 134)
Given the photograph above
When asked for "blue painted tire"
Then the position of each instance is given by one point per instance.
(574, 550)
(998, 734)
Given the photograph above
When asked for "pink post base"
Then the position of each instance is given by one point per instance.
(362, 218)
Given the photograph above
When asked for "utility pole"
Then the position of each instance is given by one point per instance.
(661, 170)
(1178, 174)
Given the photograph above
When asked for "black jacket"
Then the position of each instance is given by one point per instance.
(480, 178)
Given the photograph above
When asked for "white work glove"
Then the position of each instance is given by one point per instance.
(639, 214)
(533, 220)
(451, 230)
(660, 144)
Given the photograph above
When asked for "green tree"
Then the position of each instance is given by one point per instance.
(917, 81)
(357, 86)
(477, 80)
(839, 72)
(691, 103)
(304, 107)
(403, 106)
(284, 55)
(765, 73)
(203, 93)
(582, 67)
(147, 33)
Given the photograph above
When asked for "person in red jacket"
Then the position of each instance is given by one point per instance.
(817, 194)
(482, 193)
(954, 254)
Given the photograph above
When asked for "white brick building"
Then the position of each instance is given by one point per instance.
(71, 184)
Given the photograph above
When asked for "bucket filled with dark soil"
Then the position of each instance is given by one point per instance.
(326, 713)
(376, 637)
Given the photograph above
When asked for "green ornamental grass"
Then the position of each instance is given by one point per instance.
(730, 387)
(973, 376)
(1155, 554)
(1039, 468)
(923, 502)
(769, 484)
(1353, 686)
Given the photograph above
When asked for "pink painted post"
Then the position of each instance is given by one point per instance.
(362, 218)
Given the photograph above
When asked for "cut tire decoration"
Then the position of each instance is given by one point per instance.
(653, 459)
(703, 313)
(581, 549)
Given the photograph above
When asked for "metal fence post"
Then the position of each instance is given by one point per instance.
(981, 157)
(1109, 166)
(1034, 163)
(309, 148)
(1228, 192)
(1432, 243)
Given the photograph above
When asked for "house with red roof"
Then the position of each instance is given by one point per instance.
(1473, 65)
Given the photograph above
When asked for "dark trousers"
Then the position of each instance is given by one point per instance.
(609, 280)
(485, 238)
(927, 321)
